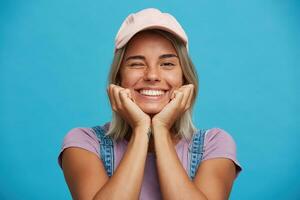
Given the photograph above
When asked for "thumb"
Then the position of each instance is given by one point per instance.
(173, 94)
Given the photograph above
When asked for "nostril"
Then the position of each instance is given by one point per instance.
(151, 78)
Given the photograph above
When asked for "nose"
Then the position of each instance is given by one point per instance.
(152, 74)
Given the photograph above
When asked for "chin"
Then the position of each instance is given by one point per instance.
(151, 110)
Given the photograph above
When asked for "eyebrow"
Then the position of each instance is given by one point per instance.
(167, 56)
(143, 57)
(136, 57)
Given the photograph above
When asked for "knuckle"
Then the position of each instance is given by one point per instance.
(127, 91)
(119, 107)
(115, 91)
(118, 87)
(122, 91)
(122, 94)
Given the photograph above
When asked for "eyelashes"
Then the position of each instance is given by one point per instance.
(168, 64)
(136, 64)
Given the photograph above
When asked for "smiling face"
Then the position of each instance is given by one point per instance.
(151, 70)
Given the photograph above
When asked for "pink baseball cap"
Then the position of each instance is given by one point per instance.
(149, 18)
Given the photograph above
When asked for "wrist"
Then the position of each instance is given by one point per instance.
(159, 131)
(142, 124)
(143, 131)
(141, 128)
(157, 126)
(161, 137)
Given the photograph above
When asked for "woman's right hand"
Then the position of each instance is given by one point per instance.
(123, 104)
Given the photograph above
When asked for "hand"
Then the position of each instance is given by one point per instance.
(122, 103)
(180, 102)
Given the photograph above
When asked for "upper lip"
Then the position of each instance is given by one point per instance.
(151, 88)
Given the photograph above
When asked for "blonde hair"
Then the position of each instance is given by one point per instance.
(184, 126)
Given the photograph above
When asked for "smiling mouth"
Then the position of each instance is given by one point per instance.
(153, 93)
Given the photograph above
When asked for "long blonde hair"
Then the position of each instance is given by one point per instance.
(184, 126)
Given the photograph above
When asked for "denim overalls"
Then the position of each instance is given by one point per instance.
(195, 151)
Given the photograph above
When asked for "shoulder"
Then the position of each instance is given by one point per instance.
(101, 131)
(218, 136)
(81, 164)
(81, 137)
(80, 133)
(218, 143)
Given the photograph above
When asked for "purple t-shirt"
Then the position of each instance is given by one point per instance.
(217, 144)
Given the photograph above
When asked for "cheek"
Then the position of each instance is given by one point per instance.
(175, 80)
(129, 78)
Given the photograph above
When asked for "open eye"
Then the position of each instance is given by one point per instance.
(167, 64)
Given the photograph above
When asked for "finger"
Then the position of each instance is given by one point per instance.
(111, 97)
(127, 103)
(191, 95)
(183, 87)
(124, 96)
(129, 94)
(178, 97)
(116, 96)
(172, 94)
(186, 93)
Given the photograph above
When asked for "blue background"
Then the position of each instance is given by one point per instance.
(54, 60)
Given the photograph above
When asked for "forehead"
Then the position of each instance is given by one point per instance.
(149, 42)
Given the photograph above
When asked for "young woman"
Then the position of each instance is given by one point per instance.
(150, 149)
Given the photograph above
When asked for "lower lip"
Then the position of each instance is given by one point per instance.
(151, 98)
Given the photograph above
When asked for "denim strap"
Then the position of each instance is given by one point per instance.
(195, 152)
(106, 149)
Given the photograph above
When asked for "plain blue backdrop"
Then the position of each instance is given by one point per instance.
(54, 60)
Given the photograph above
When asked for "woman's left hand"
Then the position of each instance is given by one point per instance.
(180, 102)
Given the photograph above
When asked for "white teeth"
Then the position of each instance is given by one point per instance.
(152, 92)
